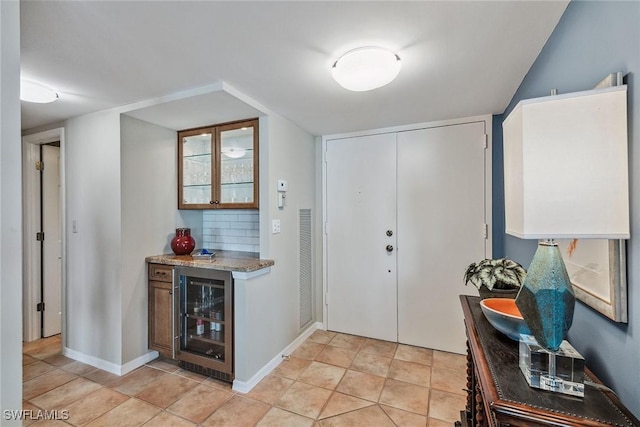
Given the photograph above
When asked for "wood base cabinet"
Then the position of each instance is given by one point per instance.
(498, 394)
(161, 310)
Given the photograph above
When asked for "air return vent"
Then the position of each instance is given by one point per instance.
(304, 262)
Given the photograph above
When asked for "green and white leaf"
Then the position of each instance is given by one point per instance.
(492, 272)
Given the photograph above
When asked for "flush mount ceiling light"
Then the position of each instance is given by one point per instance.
(366, 68)
(35, 92)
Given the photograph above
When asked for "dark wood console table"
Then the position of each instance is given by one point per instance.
(498, 394)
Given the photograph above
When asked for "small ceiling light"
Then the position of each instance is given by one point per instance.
(35, 92)
(366, 68)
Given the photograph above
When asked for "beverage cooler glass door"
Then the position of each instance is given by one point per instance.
(205, 318)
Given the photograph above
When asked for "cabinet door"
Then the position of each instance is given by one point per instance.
(218, 166)
(237, 145)
(196, 158)
(160, 317)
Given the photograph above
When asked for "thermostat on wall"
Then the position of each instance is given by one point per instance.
(283, 185)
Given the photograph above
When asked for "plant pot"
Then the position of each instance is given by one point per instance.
(498, 293)
(183, 243)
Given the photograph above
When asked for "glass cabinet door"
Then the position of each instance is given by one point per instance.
(237, 154)
(218, 166)
(195, 168)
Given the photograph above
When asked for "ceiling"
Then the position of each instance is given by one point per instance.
(459, 59)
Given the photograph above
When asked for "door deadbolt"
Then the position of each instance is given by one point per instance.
(389, 248)
(389, 233)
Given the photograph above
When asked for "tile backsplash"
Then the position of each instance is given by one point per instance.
(231, 230)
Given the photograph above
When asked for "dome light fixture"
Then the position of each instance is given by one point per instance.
(35, 92)
(366, 68)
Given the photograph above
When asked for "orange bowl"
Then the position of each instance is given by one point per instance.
(504, 315)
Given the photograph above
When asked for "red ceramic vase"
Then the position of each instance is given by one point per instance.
(183, 243)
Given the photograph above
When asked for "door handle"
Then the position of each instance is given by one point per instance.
(389, 248)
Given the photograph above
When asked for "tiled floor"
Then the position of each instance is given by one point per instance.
(332, 379)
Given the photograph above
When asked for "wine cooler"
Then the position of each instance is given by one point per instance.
(204, 319)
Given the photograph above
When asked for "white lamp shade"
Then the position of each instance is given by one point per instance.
(566, 166)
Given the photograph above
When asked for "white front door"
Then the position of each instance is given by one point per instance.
(423, 195)
(361, 256)
(441, 217)
(52, 247)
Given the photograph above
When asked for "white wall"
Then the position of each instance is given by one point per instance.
(121, 176)
(267, 316)
(94, 291)
(149, 200)
(10, 213)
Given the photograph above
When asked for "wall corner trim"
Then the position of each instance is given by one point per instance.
(246, 386)
(110, 367)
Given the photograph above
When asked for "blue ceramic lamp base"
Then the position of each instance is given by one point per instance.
(546, 302)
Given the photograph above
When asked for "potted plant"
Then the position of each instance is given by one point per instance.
(496, 278)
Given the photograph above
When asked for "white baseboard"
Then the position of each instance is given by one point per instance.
(246, 386)
(239, 386)
(138, 361)
(111, 367)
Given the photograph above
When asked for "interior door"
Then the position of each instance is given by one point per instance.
(361, 236)
(52, 245)
(441, 217)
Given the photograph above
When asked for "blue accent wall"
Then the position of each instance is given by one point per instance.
(593, 39)
(497, 177)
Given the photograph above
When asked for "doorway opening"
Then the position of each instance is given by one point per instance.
(44, 248)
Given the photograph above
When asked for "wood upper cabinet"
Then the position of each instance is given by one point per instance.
(218, 166)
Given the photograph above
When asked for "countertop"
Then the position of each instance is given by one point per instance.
(223, 260)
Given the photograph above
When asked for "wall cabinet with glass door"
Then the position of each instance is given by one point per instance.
(218, 166)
